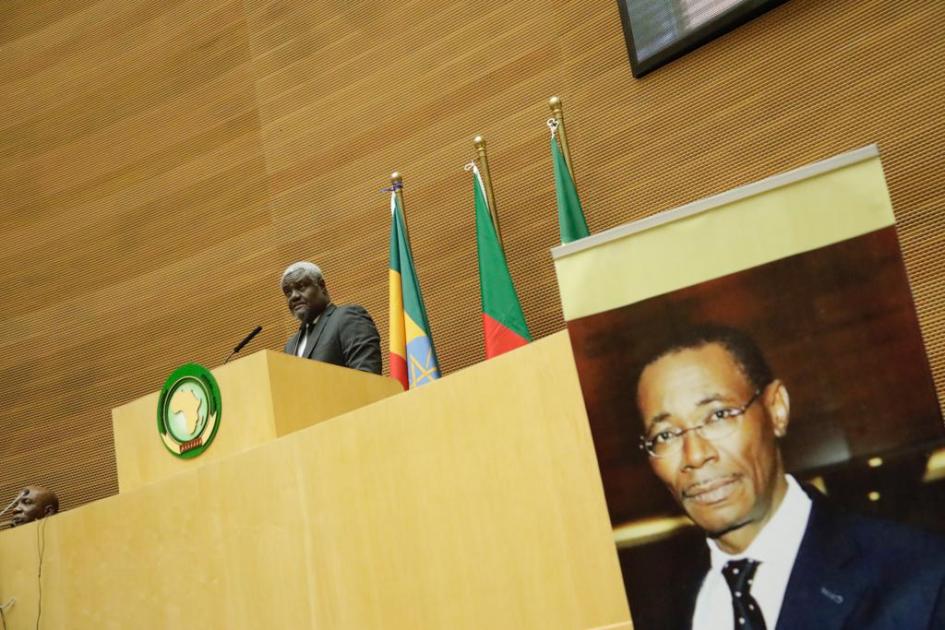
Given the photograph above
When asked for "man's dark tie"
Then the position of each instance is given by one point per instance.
(303, 334)
(739, 575)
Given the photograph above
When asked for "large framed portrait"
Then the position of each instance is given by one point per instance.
(658, 31)
(793, 287)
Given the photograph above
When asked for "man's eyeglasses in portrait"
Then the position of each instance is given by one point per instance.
(718, 424)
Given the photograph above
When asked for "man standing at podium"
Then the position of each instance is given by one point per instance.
(342, 335)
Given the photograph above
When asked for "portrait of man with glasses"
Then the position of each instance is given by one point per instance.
(781, 555)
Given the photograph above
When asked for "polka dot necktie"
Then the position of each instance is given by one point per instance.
(739, 574)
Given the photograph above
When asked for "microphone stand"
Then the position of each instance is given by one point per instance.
(245, 341)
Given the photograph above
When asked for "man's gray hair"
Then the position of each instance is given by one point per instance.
(311, 270)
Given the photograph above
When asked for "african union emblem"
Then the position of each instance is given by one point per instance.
(189, 408)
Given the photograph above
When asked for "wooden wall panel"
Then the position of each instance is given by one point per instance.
(134, 220)
(261, 131)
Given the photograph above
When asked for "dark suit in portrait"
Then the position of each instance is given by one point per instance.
(857, 572)
(850, 572)
(342, 335)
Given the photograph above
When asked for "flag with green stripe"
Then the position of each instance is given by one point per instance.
(412, 356)
(571, 222)
(503, 322)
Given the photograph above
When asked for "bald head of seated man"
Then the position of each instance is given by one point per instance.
(34, 503)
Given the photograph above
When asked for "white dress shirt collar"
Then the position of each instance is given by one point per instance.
(775, 547)
(304, 334)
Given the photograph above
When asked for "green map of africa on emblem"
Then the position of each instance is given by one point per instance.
(189, 409)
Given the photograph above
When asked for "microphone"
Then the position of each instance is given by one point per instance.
(249, 337)
(245, 341)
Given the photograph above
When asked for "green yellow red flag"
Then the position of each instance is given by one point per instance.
(412, 355)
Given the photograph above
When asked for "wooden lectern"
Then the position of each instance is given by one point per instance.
(471, 503)
(265, 395)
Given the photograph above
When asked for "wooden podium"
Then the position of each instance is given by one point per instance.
(265, 395)
(473, 502)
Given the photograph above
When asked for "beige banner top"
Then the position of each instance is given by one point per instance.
(797, 211)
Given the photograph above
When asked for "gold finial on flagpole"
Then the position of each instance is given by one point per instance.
(480, 144)
(397, 183)
(558, 112)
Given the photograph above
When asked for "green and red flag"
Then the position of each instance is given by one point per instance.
(503, 322)
(571, 222)
(412, 356)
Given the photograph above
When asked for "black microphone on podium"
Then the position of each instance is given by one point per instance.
(245, 341)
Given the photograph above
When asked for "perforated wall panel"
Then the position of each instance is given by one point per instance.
(161, 163)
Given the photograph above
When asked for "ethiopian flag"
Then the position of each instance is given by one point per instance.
(571, 221)
(502, 318)
(412, 356)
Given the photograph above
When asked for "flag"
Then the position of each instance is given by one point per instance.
(503, 322)
(412, 356)
(571, 221)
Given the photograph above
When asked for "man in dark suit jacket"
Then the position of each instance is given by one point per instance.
(850, 572)
(341, 335)
(857, 572)
(778, 557)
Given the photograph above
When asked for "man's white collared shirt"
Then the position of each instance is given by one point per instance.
(775, 547)
(305, 334)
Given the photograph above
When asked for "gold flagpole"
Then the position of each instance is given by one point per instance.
(558, 112)
(397, 183)
(480, 144)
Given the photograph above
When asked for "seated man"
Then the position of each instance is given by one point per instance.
(781, 556)
(34, 503)
(342, 335)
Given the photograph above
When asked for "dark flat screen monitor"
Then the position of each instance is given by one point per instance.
(658, 31)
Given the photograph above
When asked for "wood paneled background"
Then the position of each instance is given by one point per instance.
(161, 162)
